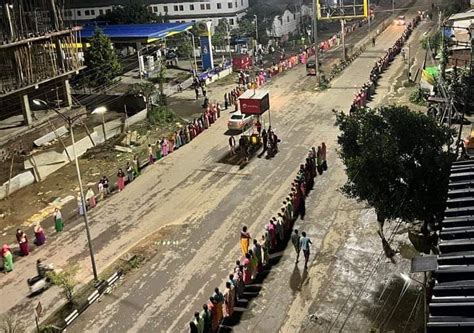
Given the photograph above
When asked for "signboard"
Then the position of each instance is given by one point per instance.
(341, 9)
(256, 104)
(39, 310)
(204, 31)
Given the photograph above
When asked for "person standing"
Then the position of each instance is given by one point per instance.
(58, 220)
(323, 156)
(247, 269)
(232, 145)
(228, 300)
(23, 242)
(319, 161)
(257, 250)
(80, 204)
(196, 91)
(295, 239)
(192, 327)
(7, 258)
(264, 140)
(244, 240)
(219, 298)
(258, 126)
(226, 102)
(40, 237)
(305, 242)
(90, 198)
(129, 170)
(198, 322)
(212, 306)
(120, 179)
(136, 166)
(105, 183)
(151, 158)
(206, 318)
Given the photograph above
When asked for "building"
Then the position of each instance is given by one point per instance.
(81, 11)
(38, 53)
(284, 25)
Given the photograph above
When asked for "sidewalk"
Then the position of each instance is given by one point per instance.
(114, 225)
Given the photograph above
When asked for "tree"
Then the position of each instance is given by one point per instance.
(220, 36)
(182, 43)
(130, 14)
(396, 160)
(66, 280)
(8, 323)
(101, 61)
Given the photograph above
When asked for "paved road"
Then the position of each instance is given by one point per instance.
(212, 200)
(208, 200)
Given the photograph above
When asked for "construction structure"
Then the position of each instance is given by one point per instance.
(38, 55)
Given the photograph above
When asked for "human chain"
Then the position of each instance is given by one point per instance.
(368, 89)
(255, 252)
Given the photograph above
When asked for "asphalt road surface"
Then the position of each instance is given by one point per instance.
(211, 200)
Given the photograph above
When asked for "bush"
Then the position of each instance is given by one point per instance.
(161, 115)
(417, 96)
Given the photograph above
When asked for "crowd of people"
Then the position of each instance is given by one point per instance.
(368, 89)
(255, 252)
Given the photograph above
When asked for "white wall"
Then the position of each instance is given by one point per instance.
(178, 11)
(284, 24)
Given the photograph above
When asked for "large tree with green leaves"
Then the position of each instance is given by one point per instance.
(101, 60)
(132, 13)
(221, 33)
(397, 161)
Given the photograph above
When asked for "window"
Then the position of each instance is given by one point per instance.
(175, 8)
(202, 6)
(108, 11)
(93, 12)
(236, 4)
(87, 13)
(101, 11)
(208, 6)
(219, 6)
(181, 8)
(231, 21)
(287, 19)
(165, 9)
(242, 3)
(229, 5)
(191, 7)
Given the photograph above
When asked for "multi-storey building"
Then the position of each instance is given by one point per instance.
(175, 10)
(38, 54)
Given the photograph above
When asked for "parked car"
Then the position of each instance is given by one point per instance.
(239, 121)
(400, 20)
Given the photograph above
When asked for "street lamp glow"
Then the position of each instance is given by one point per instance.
(99, 110)
(39, 102)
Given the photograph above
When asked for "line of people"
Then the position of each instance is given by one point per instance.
(255, 252)
(368, 89)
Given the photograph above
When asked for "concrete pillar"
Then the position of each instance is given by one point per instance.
(67, 97)
(25, 108)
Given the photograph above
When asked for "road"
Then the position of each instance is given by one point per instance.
(207, 202)
(211, 201)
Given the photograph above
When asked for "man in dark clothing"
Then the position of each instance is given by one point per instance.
(295, 239)
(264, 139)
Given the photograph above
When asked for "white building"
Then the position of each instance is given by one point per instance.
(174, 10)
(284, 25)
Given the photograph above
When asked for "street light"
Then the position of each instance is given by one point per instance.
(101, 110)
(407, 278)
(194, 51)
(70, 121)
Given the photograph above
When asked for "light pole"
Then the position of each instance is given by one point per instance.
(101, 111)
(408, 278)
(194, 51)
(70, 121)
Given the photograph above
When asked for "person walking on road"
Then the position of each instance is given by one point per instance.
(305, 242)
(7, 258)
(40, 237)
(23, 242)
(244, 240)
(295, 239)
(58, 220)
(373, 41)
(323, 156)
